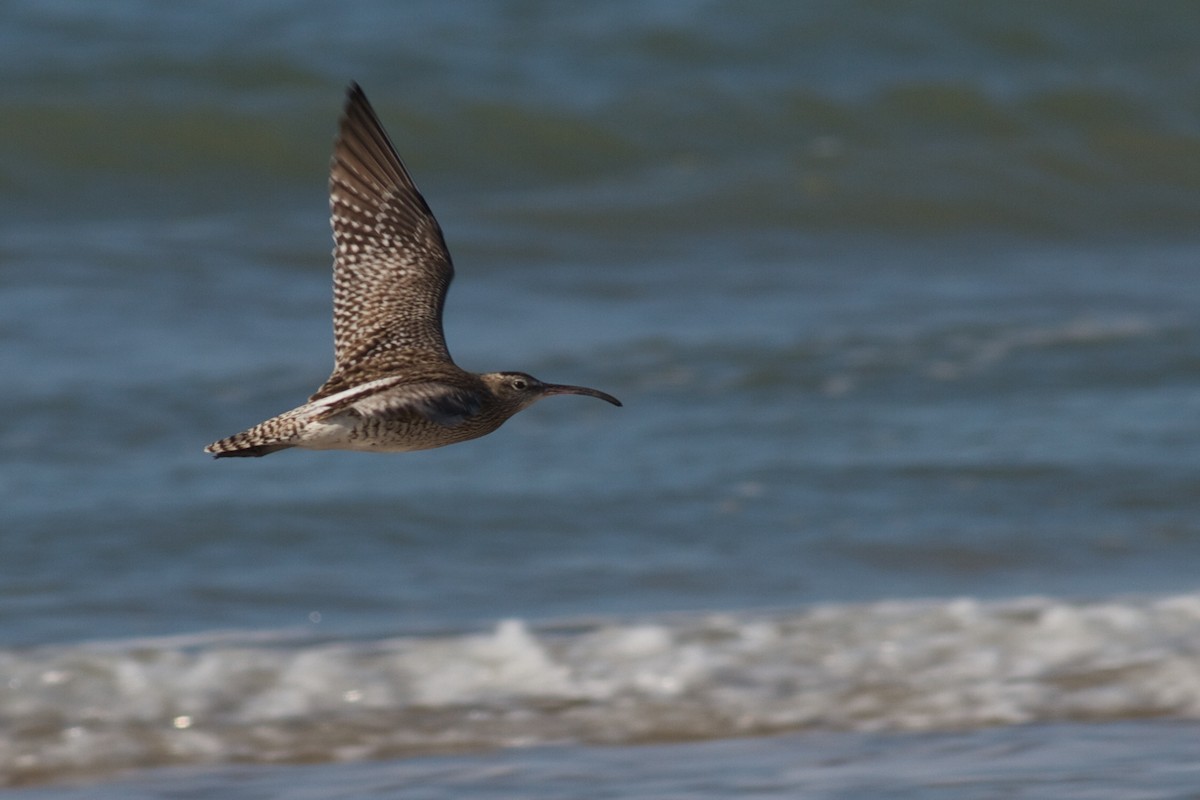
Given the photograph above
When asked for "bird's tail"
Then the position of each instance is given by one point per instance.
(277, 433)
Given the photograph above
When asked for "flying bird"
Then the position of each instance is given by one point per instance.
(394, 387)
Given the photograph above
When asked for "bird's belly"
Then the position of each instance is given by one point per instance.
(368, 434)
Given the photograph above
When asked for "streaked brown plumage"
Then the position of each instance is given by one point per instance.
(394, 386)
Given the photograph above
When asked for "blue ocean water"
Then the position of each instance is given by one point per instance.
(901, 302)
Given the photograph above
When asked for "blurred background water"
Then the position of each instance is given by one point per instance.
(901, 301)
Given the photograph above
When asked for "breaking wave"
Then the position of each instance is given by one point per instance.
(920, 665)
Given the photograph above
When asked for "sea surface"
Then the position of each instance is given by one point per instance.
(903, 304)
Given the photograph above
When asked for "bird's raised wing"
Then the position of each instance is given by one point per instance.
(391, 267)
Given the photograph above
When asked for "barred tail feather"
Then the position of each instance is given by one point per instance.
(229, 448)
(267, 437)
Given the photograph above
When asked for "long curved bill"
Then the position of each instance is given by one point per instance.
(559, 388)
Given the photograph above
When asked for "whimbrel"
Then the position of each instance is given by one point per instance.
(394, 386)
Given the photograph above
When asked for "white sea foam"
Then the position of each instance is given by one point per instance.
(932, 665)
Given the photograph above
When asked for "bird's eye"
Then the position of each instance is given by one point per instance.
(520, 384)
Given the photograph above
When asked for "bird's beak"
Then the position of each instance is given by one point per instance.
(558, 388)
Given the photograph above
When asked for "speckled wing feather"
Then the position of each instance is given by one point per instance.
(391, 266)
(399, 395)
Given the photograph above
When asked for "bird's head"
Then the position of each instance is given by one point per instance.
(520, 390)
